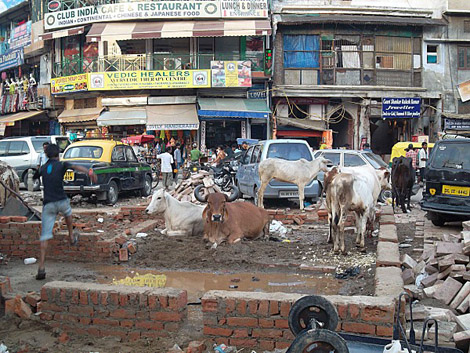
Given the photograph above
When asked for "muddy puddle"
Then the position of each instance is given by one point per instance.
(197, 283)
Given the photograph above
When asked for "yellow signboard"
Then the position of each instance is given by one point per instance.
(147, 280)
(69, 84)
(124, 80)
(231, 73)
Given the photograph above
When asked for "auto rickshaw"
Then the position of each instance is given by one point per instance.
(398, 150)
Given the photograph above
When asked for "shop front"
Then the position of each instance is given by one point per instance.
(24, 124)
(82, 122)
(120, 122)
(223, 120)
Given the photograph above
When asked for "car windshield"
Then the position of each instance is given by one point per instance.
(37, 144)
(63, 143)
(87, 152)
(451, 155)
(375, 160)
(289, 151)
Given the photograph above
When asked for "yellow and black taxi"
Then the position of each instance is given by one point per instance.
(115, 164)
(446, 196)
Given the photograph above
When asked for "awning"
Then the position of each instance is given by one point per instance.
(357, 19)
(10, 119)
(233, 108)
(63, 33)
(172, 117)
(177, 29)
(123, 116)
(302, 123)
(72, 116)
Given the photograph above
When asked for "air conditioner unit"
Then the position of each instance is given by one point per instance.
(172, 63)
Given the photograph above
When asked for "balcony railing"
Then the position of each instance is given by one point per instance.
(134, 62)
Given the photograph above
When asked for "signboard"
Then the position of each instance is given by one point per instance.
(122, 80)
(68, 84)
(11, 58)
(231, 73)
(395, 108)
(256, 92)
(8, 4)
(160, 10)
(21, 36)
(464, 91)
(457, 124)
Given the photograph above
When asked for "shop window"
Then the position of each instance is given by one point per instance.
(301, 51)
(432, 54)
(463, 58)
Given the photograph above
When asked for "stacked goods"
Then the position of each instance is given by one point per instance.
(443, 273)
(184, 191)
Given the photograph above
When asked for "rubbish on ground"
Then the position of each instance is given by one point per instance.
(277, 228)
(100, 220)
(233, 286)
(404, 246)
(3, 348)
(235, 280)
(254, 279)
(30, 261)
(100, 231)
(141, 235)
(222, 348)
(349, 272)
(287, 284)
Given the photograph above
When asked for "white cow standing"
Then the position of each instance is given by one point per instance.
(181, 218)
(353, 189)
(299, 172)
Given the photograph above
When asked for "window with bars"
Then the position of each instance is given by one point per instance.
(464, 58)
(466, 26)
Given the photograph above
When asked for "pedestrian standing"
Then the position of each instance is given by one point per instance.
(42, 158)
(195, 154)
(166, 168)
(411, 153)
(422, 160)
(55, 200)
(177, 156)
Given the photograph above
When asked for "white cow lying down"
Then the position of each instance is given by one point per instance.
(181, 218)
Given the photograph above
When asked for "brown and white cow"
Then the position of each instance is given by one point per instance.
(229, 221)
(354, 189)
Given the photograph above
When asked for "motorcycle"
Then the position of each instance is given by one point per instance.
(224, 176)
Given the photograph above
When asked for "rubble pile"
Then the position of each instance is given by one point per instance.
(184, 190)
(442, 273)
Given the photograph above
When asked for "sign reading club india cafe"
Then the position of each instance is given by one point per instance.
(154, 10)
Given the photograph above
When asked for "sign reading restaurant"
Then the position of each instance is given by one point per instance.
(156, 10)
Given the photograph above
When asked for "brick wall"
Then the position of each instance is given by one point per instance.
(129, 313)
(259, 320)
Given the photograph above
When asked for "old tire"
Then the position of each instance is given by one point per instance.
(312, 307)
(318, 341)
(113, 193)
(147, 189)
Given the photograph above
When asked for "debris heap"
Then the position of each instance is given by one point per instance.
(442, 273)
(184, 190)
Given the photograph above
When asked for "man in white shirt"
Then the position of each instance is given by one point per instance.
(166, 168)
(422, 160)
(42, 158)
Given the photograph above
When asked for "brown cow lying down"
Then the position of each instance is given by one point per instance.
(229, 221)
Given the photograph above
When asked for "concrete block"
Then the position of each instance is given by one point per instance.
(461, 295)
(463, 307)
(387, 254)
(430, 280)
(388, 281)
(463, 321)
(408, 276)
(429, 291)
(445, 262)
(414, 291)
(458, 268)
(388, 233)
(448, 290)
(445, 331)
(430, 269)
(444, 274)
(446, 248)
(419, 267)
(408, 262)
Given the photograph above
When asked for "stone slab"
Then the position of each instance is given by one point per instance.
(430, 280)
(388, 254)
(387, 219)
(408, 262)
(446, 248)
(463, 307)
(463, 321)
(388, 232)
(388, 281)
(445, 331)
(408, 276)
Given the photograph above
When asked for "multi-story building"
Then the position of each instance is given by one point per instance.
(356, 68)
(19, 67)
(172, 68)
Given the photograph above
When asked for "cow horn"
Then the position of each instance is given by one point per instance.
(234, 194)
(197, 194)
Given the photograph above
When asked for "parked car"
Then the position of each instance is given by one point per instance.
(446, 196)
(353, 158)
(247, 178)
(22, 153)
(115, 164)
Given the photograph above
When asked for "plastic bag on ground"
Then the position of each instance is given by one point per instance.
(277, 228)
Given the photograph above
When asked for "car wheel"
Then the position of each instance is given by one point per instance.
(438, 221)
(113, 193)
(36, 182)
(384, 195)
(147, 189)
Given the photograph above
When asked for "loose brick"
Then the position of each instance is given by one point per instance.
(448, 290)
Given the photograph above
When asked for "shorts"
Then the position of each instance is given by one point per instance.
(49, 214)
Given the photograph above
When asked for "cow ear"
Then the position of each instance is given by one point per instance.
(225, 214)
(205, 214)
(387, 174)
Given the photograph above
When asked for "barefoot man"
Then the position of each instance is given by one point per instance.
(55, 200)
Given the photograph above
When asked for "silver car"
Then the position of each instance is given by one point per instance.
(353, 158)
(247, 178)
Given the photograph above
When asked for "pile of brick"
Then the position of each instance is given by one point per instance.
(17, 305)
(184, 191)
(443, 273)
